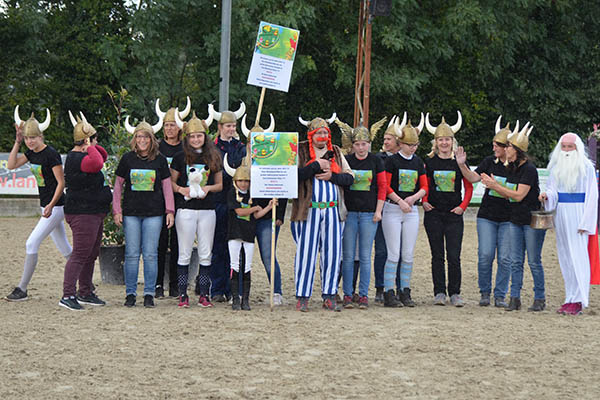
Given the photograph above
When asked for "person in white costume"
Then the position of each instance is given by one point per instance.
(572, 189)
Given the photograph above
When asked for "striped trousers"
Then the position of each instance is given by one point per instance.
(320, 233)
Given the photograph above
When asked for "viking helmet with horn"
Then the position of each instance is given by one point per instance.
(257, 127)
(169, 116)
(228, 117)
(82, 129)
(501, 134)
(241, 173)
(317, 122)
(408, 133)
(144, 126)
(349, 135)
(195, 124)
(443, 129)
(31, 127)
(520, 139)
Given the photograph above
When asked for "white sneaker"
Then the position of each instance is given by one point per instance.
(277, 299)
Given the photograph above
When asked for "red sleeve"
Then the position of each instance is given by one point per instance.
(425, 198)
(116, 203)
(102, 152)
(424, 184)
(388, 179)
(167, 188)
(382, 185)
(468, 194)
(93, 162)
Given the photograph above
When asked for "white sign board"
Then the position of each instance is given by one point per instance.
(274, 171)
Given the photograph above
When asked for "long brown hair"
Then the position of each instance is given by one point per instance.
(212, 156)
(152, 151)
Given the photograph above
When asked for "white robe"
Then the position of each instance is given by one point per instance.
(573, 246)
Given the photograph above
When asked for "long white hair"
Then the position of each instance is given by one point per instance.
(567, 168)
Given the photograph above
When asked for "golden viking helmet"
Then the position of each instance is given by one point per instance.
(408, 133)
(443, 129)
(501, 135)
(31, 127)
(228, 117)
(257, 128)
(82, 129)
(144, 126)
(169, 116)
(520, 139)
(349, 135)
(240, 173)
(195, 124)
(318, 122)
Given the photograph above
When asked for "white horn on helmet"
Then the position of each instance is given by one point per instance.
(515, 131)
(245, 131)
(333, 117)
(241, 111)
(44, 125)
(73, 120)
(230, 171)
(18, 120)
(303, 122)
(498, 128)
(128, 127)
(421, 123)
(187, 109)
(529, 131)
(178, 120)
(83, 117)
(428, 125)
(458, 124)
(159, 113)
(404, 119)
(271, 127)
(392, 121)
(158, 125)
(217, 115)
(209, 119)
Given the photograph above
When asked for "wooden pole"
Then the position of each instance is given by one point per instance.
(260, 105)
(359, 63)
(367, 73)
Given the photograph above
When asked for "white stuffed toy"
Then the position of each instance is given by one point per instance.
(195, 177)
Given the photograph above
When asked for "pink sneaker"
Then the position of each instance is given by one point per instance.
(576, 309)
(184, 302)
(563, 309)
(203, 302)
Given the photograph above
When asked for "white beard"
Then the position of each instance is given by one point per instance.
(568, 168)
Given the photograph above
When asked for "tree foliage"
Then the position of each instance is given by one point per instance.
(529, 60)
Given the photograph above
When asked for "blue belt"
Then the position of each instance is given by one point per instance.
(571, 197)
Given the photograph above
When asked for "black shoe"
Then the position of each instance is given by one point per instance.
(91, 299)
(246, 283)
(70, 303)
(174, 292)
(17, 295)
(484, 301)
(515, 304)
(379, 295)
(236, 305)
(538, 305)
(389, 299)
(159, 292)
(405, 298)
(219, 298)
(148, 301)
(129, 300)
(500, 302)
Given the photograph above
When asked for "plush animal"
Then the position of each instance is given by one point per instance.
(195, 177)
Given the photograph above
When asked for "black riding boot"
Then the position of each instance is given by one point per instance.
(246, 295)
(235, 291)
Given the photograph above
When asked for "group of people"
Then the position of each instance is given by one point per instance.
(188, 189)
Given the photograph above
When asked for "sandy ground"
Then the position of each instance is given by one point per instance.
(166, 353)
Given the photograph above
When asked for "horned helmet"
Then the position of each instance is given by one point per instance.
(410, 134)
(195, 124)
(257, 128)
(31, 127)
(82, 129)
(228, 117)
(501, 134)
(443, 129)
(144, 126)
(350, 135)
(520, 139)
(169, 116)
(317, 122)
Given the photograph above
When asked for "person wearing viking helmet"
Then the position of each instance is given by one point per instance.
(319, 212)
(522, 189)
(390, 147)
(87, 201)
(199, 164)
(263, 224)
(46, 167)
(227, 143)
(243, 214)
(168, 146)
(144, 180)
(492, 219)
(444, 208)
(572, 190)
(364, 201)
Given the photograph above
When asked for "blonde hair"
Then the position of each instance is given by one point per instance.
(434, 148)
(152, 151)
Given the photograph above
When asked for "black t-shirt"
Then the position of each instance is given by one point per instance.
(445, 183)
(361, 196)
(178, 164)
(243, 228)
(520, 211)
(405, 174)
(168, 150)
(41, 165)
(493, 206)
(143, 195)
(87, 193)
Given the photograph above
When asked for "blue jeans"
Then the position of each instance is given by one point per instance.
(524, 238)
(141, 233)
(263, 237)
(221, 265)
(361, 224)
(493, 236)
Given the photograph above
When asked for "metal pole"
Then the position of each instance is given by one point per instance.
(225, 44)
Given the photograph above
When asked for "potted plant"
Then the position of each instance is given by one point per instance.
(112, 251)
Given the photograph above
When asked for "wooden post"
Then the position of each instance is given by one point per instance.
(260, 105)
